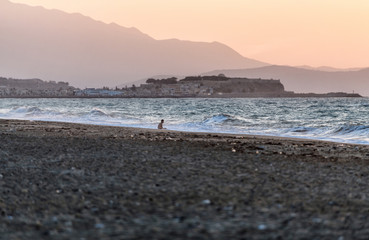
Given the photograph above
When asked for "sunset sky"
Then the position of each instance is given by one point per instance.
(307, 32)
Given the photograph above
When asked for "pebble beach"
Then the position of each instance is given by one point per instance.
(75, 181)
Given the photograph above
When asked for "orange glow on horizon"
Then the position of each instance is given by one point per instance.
(286, 32)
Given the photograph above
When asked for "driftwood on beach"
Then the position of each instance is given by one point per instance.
(71, 181)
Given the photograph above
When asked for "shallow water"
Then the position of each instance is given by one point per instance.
(334, 119)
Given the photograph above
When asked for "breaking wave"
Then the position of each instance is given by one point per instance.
(97, 113)
(26, 110)
(352, 130)
(223, 119)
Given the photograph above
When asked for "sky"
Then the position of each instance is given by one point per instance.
(284, 32)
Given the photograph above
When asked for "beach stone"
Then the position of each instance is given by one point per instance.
(206, 202)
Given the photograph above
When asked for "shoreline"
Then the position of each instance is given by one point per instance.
(296, 95)
(71, 181)
(198, 133)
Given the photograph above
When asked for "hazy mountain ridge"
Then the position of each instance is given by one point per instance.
(328, 69)
(54, 45)
(305, 81)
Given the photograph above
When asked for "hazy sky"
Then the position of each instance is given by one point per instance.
(304, 32)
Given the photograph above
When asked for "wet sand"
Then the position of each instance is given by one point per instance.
(72, 181)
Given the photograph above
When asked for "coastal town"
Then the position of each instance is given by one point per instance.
(200, 86)
(218, 86)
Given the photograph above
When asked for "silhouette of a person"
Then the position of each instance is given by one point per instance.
(160, 126)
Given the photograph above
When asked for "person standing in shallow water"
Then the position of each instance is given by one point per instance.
(160, 126)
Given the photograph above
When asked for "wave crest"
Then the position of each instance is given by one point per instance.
(225, 119)
(97, 113)
(351, 129)
(26, 110)
(217, 119)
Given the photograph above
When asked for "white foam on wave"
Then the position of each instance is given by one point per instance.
(97, 113)
(26, 110)
(217, 119)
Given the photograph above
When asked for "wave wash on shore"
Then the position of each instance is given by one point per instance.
(343, 120)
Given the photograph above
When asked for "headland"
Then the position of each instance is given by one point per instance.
(189, 87)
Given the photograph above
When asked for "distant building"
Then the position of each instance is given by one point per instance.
(96, 92)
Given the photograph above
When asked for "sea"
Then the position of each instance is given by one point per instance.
(342, 120)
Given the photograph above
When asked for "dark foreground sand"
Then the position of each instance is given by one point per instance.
(70, 181)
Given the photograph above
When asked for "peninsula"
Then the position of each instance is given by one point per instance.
(218, 86)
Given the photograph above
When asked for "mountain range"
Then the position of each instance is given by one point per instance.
(54, 45)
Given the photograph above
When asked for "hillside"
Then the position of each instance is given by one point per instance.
(10, 87)
(302, 80)
(33, 84)
(53, 45)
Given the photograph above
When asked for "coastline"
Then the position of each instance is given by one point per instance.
(257, 95)
(67, 180)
